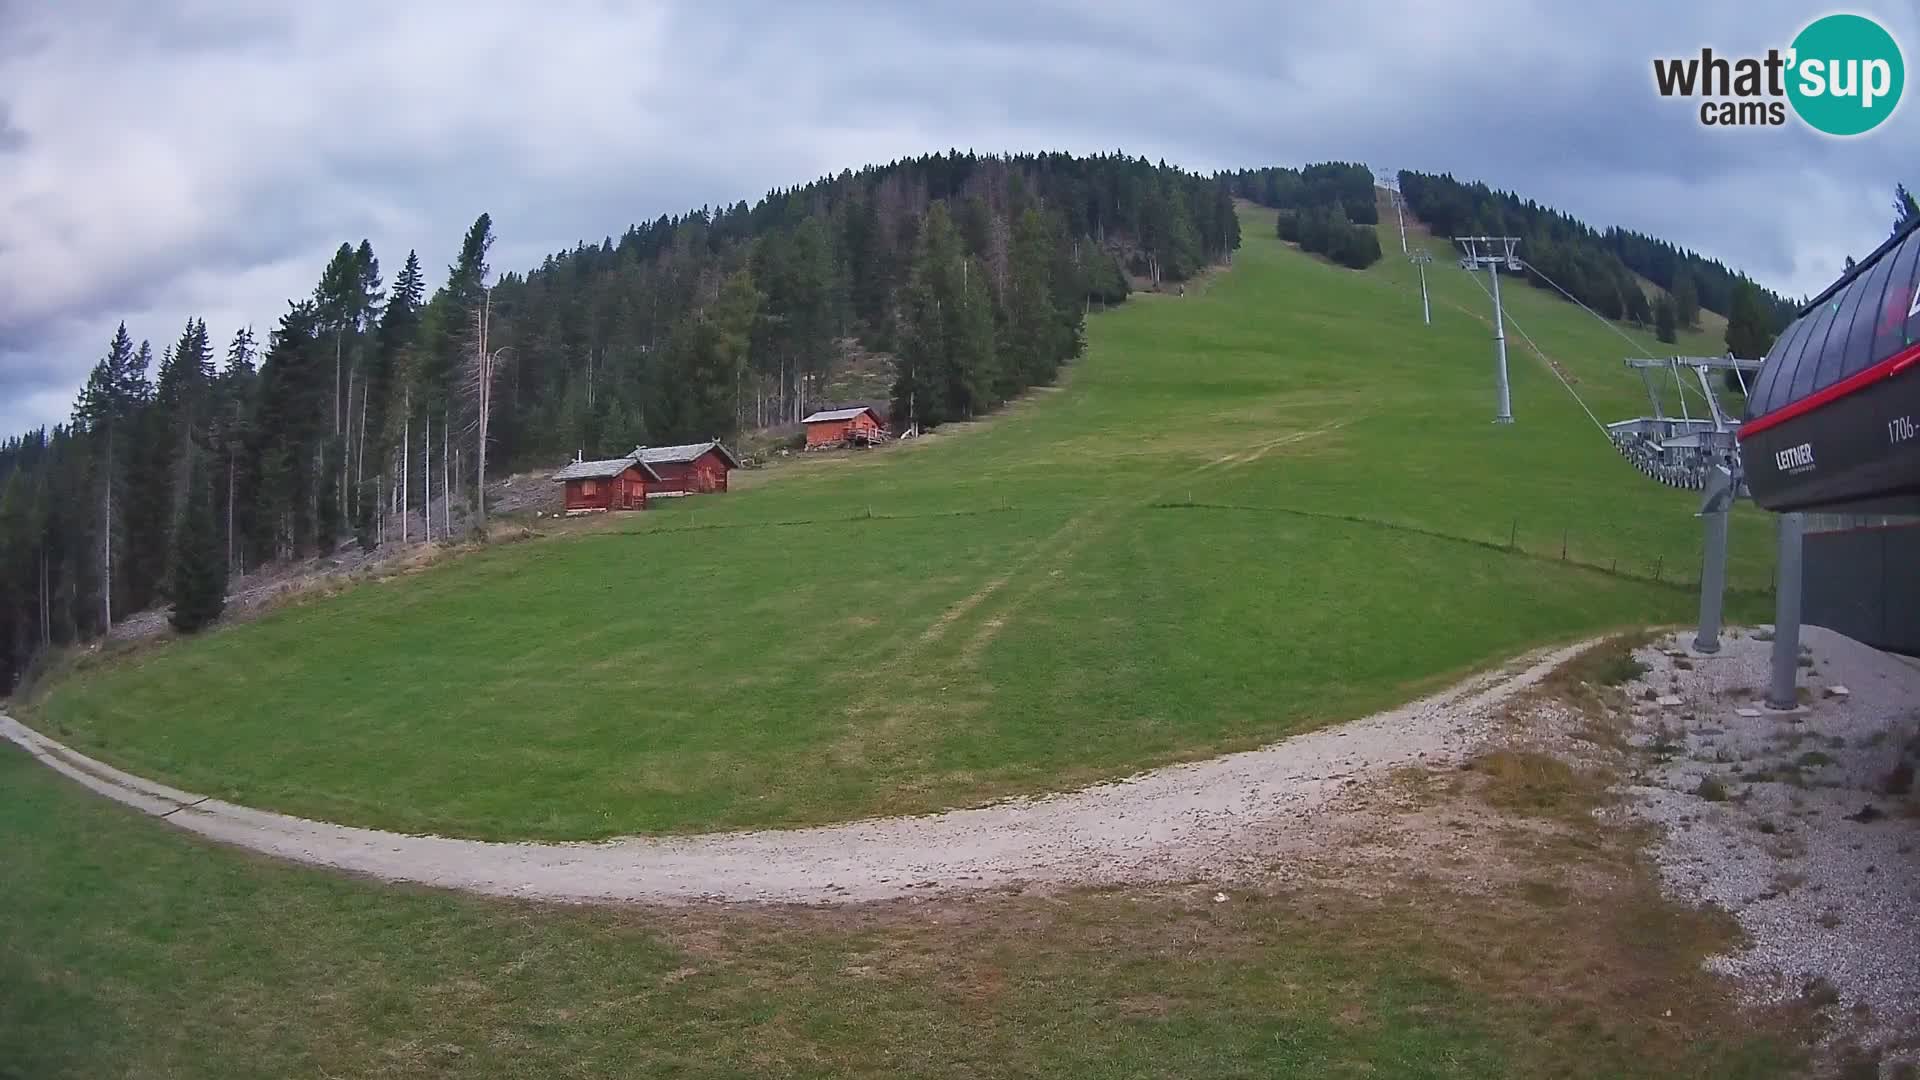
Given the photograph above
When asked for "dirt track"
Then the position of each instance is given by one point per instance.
(1210, 818)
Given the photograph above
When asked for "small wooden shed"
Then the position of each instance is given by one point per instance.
(688, 469)
(858, 426)
(612, 484)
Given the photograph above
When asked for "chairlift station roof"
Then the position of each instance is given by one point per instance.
(1832, 417)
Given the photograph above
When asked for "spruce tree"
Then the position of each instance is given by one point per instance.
(1686, 302)
(1664, 321)
(1905, 207)
(200, 566)
(1748, 335)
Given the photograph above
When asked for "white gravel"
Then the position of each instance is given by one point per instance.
(1819, 893)
(1217, 818)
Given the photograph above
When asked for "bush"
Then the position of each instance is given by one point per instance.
(1712, 789)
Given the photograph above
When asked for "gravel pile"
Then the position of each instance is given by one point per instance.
(1805, 825)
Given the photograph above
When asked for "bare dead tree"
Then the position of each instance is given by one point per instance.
(481, 366)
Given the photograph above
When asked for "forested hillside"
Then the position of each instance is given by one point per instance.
(973, 272)
(1328, 209)
(1597, 266)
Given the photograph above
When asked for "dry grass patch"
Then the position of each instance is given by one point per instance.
(1534, 784)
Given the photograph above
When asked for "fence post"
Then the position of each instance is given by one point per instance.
(1513, 536)
(1563, 545)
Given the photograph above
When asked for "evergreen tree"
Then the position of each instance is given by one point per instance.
(1665, 322)
(972, 368)
(200, 571)
(327, 498)
(230, 436)
(114, 394)
(921, 392)
(1748, 335)
(182, 403)
(699, 401)
(735, 314)
(1686, 302)
(1905, 208)
(1034, 341)
(293, 423)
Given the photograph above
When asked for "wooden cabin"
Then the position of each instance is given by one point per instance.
(612, 484)
(688, 469)
(859, 426)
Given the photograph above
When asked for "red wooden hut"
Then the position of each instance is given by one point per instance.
(859, 426)
(688, 469)
(612, 484)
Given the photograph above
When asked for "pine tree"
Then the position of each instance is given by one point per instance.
(291, 418)
(922, 393)
(1748, 336)
(972, 365)
(114, 393)
(1034, 340)
(327, 501)
(389, 364)
(1905, 207)
(1665, 327)
(1686, 302)
(181, 403)
(200, 570)
(231, 433)
(735, 314)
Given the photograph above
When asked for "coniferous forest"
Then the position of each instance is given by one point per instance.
(1328, 209)
(1597, 266)
(973, 272)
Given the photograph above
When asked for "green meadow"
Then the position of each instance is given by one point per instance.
(1272, 503)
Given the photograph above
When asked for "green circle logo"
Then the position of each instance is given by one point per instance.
(1846, 75)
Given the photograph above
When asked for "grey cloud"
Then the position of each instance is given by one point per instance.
(12, 139)
(201, 158)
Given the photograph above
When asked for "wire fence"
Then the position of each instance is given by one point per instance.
(1554, 545)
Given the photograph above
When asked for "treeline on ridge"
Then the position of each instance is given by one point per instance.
(1596, 266)
(1328, 209)
(975, 272)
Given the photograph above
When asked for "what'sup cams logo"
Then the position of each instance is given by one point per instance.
(1842, 76)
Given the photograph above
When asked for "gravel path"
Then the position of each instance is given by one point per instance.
(1213, 817)
(1827, 890)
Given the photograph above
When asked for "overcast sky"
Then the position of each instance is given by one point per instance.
(197, 157)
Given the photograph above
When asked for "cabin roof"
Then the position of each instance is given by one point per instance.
(604, 469)
(683, 453)
(839, 414)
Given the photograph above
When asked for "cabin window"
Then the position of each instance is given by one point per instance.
(1895, 333)
(1798, 379)
(1826, 366)
(589, 487)
(1852, 356)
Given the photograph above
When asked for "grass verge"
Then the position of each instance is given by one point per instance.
(132, 950)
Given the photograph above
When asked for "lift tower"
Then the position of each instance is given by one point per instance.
(1493, 252)
(1420, 259)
